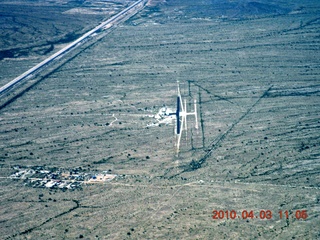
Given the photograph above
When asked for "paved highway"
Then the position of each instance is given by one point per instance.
(124, 14)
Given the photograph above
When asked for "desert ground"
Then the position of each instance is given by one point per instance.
(253, 67)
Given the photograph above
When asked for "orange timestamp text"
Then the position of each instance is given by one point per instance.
(260, 214)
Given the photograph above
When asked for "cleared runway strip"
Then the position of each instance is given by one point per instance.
(123, 15)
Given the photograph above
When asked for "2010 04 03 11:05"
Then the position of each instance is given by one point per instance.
(259, 214)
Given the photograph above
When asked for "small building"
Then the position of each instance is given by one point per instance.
(50, 184)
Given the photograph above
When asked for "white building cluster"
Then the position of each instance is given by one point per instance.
(39, 177)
